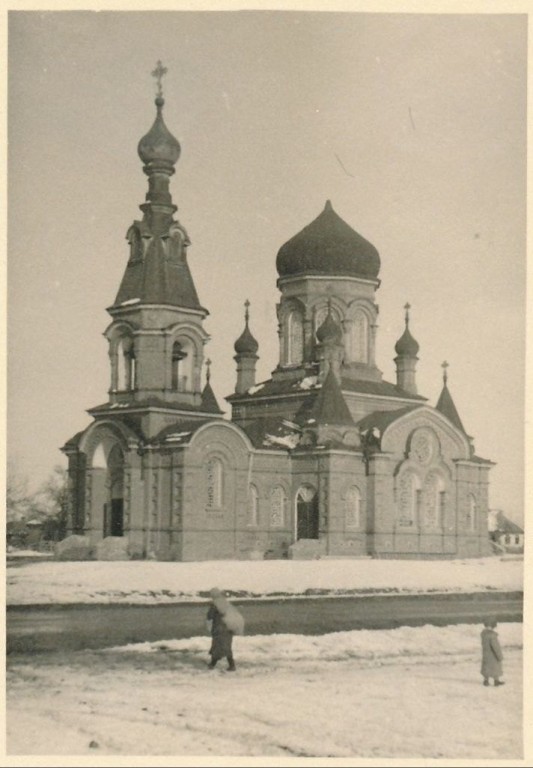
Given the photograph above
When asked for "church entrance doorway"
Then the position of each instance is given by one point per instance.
(117, 517)
(306, 513)
(114, 513)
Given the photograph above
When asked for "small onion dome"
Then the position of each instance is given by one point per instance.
(328, 246)
(159, 145)
(407, 346)
(246, 344)
(329, 330)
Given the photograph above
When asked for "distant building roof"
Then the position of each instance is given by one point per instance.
(504, 525)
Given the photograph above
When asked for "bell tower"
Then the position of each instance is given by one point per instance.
(156, 337)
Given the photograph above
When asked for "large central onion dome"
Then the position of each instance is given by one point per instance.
(328, 246)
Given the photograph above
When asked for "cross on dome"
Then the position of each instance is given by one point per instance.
(158, 73)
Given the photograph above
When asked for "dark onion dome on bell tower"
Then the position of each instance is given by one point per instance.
(157, 271)
(159, 146)
(407, 346)
(246, 344)
(329, 331)
(328, 246)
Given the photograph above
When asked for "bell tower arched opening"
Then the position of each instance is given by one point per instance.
(114, 507)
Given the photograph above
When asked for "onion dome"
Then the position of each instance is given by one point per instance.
(159, 145)
(329, 330)
(246, 344)
(328, 246)
(407, 346)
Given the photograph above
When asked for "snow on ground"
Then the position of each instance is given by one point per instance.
(151, 582)
(12, 554)
(402, 693)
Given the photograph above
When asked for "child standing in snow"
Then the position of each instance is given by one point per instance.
(491, 659)
(223, 621)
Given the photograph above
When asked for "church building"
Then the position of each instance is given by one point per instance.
(323, 459)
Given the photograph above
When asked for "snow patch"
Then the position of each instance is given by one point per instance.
(146, 581)
(287, 441)
(129, 301)
(254, 389)
(308, 382)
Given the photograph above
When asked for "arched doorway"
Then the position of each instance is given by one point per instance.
(306, 513)
(114, 509)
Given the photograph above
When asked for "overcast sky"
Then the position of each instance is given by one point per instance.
(413, 125)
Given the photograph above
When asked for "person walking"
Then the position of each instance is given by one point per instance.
(223, 622)
(491, 654)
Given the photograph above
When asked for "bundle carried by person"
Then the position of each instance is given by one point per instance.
(231, 616)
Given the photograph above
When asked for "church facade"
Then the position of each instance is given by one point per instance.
(323, 459)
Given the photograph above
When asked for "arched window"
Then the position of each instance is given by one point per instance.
(408, 500)
(352, 508)
(99, 460)
(357, 346)
(121, 366)
(253, 506)
(471, 513)
(295, 338)
(178, 354)
(125, 364)
(182, 366)
(277, 507)
(214, 483)
(433, 500)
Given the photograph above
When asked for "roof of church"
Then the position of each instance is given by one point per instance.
(481, 460)
(305, 383)
(179, 433)
(155, 402)
(209, 401)
(504, 525)
(158, 280)
(381, 419)
(447, 407)
(272, 432)
(330, 406)
(328, 246)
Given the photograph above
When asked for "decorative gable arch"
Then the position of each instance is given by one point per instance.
(106, 433)
(396, 436)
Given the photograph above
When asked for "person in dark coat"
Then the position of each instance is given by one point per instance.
(222, 636)
(491, 654)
